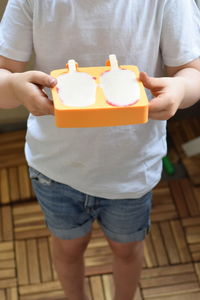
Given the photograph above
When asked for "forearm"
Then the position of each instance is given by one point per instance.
(7, 98)
(191, 81)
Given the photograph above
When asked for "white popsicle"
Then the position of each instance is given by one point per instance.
(76, 89)
(120, 86)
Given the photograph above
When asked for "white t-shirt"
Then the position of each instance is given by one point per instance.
(111, 162)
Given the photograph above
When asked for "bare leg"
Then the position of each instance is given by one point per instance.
(69, 264)
(127, 266)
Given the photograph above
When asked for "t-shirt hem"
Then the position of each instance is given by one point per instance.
(182, 60)
(106, 195)
(13, 54)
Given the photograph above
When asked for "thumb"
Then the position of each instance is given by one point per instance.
(157, 104)
(41, 78)
(151, 83)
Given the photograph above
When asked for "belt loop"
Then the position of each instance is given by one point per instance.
(86, 200)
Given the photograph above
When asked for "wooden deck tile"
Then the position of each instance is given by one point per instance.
(44, 291)
(108, 286)
(170, 281)
(6, 224)
(185, 296)
(190, 197)
(186, 197)
(7, 260)
(12, 149)
(8, 276)
(29, 221)
(192, 165)
(25, 187)
(87, 288)
(163, 207)
(181, 132)
(159, 246)
(9, 294)
(96, 287)
(45, 260)
(170, 243)
(149, 253)
(15, 185)
(166, 244)
(4, 187)
(197, 268)
(33, 262)
(11, 138)
(196, 192)
(179, 199)
(192, 232)
(180, 241)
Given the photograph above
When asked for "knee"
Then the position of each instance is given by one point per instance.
(128, 252)
(69, 251)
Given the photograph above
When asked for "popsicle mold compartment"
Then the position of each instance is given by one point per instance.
(109, 95)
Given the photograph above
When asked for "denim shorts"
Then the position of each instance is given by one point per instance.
(69, 213)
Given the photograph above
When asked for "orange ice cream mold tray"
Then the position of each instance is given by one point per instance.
(101, 113)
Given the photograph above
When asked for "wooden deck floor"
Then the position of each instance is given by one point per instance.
(172, 250)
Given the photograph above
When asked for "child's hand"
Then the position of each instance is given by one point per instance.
(27, 89)
(168, 94)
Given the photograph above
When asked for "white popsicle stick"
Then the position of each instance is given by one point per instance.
(113, 62)
(72, 65)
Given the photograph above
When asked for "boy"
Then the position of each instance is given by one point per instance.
(107, 173)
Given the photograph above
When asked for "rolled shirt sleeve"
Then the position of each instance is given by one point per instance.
(180, 36)
(16, 37)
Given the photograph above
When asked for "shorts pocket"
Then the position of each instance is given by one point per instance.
(36, 176)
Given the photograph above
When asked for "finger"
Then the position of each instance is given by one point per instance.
(41, 79)
(46, 105)
(38, 103)
(158, 104)
(50, 108)
(161, 108)
(151, 82)
(161, 116)
(43, 108)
